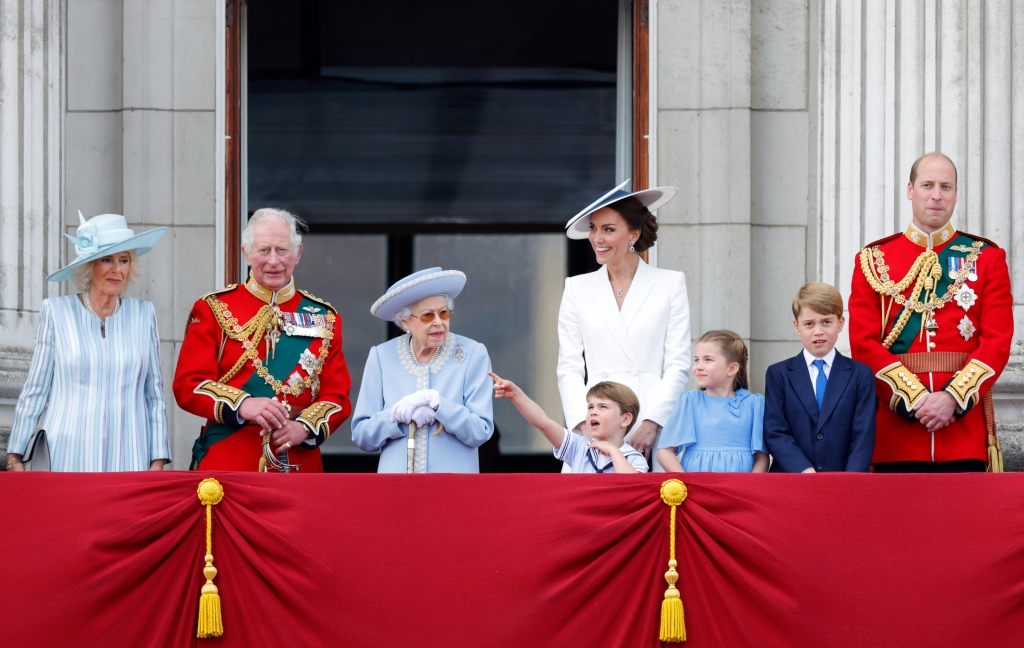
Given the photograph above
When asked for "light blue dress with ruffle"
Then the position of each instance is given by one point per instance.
(715, 433)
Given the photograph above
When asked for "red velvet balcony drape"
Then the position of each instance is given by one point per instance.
(514, 560)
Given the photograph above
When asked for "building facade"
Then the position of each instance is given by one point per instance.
(789, 127)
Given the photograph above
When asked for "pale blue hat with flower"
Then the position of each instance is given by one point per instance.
(102, 236)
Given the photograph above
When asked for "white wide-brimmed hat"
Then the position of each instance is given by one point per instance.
(102, 236)
(416, 287)
(578, 226)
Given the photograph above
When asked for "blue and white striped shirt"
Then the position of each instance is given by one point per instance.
(104, 398)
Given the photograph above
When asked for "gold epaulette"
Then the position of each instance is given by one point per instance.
(884, 239)
(219, 292)
(322, 302)
(978, 238)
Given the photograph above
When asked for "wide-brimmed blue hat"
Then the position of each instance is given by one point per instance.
(416, 287)
(578, 226)
(102, 236)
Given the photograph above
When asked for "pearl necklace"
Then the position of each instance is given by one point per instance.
(88, 307)
(422, 371)
(412, 352)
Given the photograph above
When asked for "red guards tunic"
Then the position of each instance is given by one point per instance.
(220, 332)
(939, 304)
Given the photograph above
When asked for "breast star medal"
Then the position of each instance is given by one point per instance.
(966, 297)
(966, 328)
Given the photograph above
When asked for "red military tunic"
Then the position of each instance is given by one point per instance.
(929, 313)
(224, 359)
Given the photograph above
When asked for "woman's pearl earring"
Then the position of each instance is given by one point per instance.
(631, 249)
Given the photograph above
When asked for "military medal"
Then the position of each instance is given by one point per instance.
(966, 297)
(308, 361)
(305, 325)
(966, 328)
(956, 264)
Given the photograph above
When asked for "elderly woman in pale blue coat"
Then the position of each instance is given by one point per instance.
(425, 401)
(96, 364)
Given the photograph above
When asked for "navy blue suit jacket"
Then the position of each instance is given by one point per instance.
(840, 437)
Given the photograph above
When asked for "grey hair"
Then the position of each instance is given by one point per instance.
(273, 214)
(406, 313)
(83, 273)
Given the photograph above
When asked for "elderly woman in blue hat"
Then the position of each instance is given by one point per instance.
(96, 364)
(627, 322)
(425, 400)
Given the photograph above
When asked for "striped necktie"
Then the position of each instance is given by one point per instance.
(821, 383)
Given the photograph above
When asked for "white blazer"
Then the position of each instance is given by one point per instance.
(645, 346)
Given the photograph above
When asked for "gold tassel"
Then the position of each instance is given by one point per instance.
(673, 625)
(210, 623)
(995, 455)
(995, 450)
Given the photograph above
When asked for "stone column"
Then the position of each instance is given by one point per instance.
(898, 78)
(732, 134)
(703, 147)
(31, 183)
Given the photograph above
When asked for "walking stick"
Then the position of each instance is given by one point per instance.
(410, 456)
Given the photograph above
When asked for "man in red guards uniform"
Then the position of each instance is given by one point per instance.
(931, 314)
(262, 362)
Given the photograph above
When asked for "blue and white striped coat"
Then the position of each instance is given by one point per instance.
(104, 399)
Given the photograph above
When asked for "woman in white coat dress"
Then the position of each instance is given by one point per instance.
(627, 322)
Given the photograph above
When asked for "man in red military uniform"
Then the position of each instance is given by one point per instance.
(262, 362)
(931, 314)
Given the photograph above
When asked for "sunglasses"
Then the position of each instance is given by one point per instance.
(428, 317)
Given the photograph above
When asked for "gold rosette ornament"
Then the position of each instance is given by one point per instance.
(210, 622)
(673, 626)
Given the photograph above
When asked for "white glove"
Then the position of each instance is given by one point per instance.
(404, 408)
(423, 416)
(433, 398)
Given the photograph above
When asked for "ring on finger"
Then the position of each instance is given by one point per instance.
(287, 445)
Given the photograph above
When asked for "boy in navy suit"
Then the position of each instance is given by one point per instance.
(820, 406)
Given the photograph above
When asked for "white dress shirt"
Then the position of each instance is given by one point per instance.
(809, 359)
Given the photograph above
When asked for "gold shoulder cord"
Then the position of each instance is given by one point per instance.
(255, 328)
(924, 274)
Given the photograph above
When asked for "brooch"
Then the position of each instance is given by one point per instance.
(460, 353)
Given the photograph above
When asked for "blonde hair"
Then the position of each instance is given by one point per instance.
(620, 395)
(83, 273)
(822, 298)
(734, 350)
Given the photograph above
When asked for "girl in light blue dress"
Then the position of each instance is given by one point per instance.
(719, 427)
